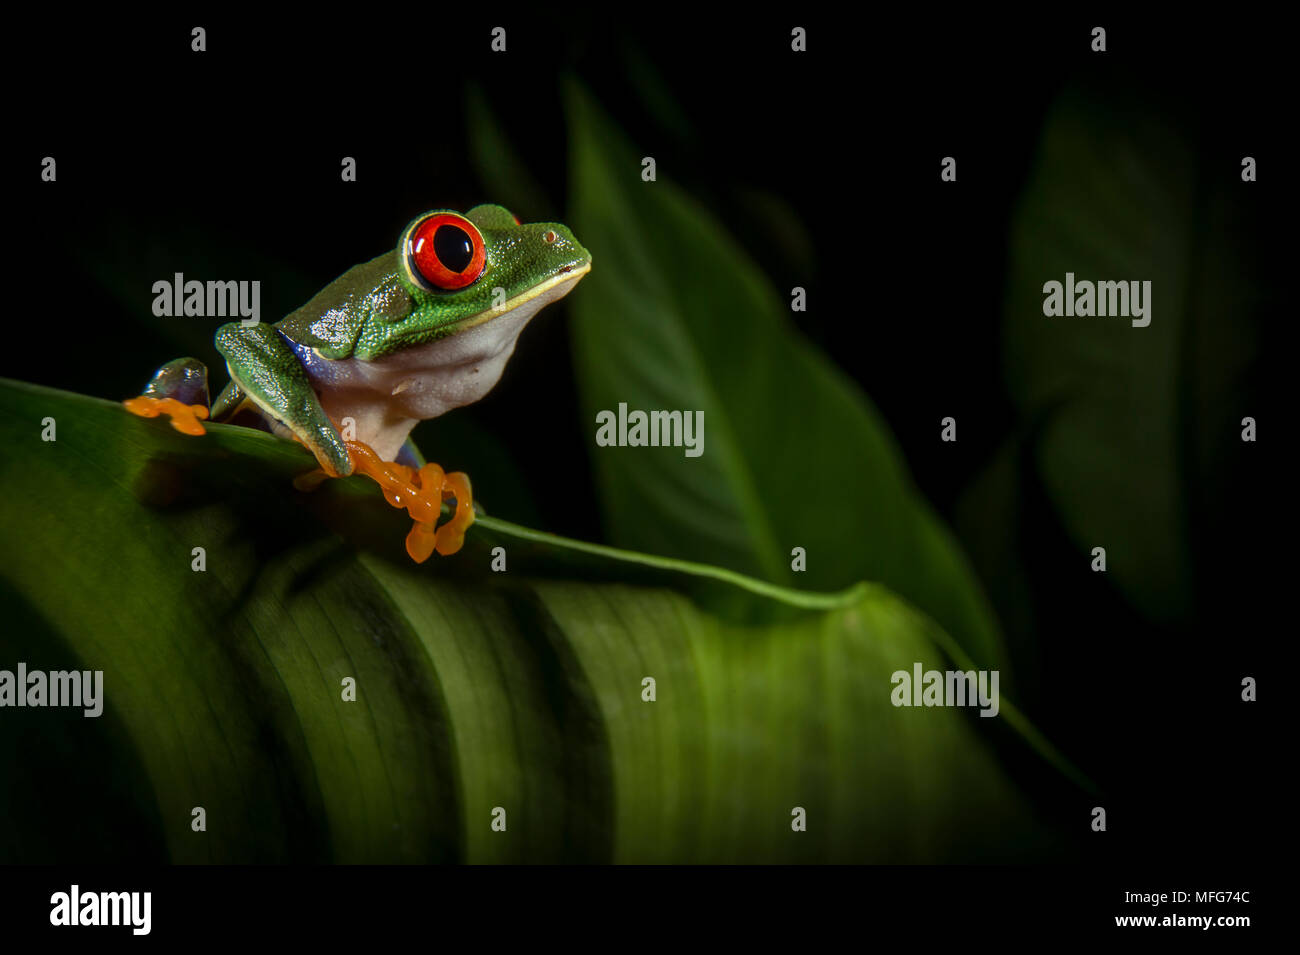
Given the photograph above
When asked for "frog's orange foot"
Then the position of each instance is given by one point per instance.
(184, 418)
(422, 494)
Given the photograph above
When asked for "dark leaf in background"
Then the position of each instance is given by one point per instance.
(674, 316)
(1128, 421)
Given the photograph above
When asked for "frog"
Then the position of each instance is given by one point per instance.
(418, 331)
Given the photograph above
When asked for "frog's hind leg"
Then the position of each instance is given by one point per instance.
(410, 455)
(179, 389)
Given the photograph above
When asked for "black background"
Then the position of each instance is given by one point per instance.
(242, 144)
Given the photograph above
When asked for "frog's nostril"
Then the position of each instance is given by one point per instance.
(566, 268)
(549, 236)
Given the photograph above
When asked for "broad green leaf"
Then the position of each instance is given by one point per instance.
(675, 316)
(1122, 414)
(474, 689)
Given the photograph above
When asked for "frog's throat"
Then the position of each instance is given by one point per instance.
(510, 304)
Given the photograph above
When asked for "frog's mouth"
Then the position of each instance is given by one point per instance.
(523, 307)
(543, 293)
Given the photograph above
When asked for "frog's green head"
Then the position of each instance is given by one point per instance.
(462, 270)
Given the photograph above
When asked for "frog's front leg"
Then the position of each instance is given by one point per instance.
(267, 372)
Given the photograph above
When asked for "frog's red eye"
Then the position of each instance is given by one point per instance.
(446, 251)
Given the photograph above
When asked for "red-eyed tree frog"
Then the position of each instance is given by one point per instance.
(405, 337)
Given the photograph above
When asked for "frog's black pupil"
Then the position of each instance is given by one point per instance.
(453, 247)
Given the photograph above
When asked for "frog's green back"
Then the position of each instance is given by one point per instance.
(334, 317)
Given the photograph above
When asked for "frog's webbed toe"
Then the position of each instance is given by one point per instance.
(179, 389)
(421, 491)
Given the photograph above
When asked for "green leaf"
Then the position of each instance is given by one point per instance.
(1121, 415)
(474, 689)
(675, 316)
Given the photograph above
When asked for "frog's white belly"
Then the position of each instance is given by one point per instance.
(386, 397)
